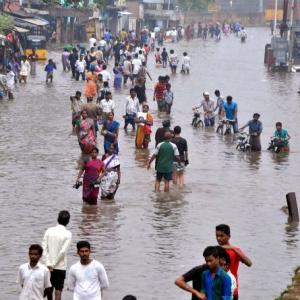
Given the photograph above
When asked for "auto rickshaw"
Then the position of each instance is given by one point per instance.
(37, 42)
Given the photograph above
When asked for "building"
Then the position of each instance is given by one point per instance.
(241, 7)
(152, 13)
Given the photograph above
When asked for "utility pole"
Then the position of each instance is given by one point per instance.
(168, 18)
(275, 17)
(292, 36)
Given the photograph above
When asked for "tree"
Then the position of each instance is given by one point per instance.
(6, 23)
(197, 5)
(76, 3)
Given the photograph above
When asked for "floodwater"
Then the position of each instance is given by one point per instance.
(145, 240)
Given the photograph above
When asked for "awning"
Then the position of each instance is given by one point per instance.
(20, 29)
(37, 22)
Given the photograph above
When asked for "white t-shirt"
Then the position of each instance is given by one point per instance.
(186, 61)
(33, 281)
(102, 43)
(87, 281)
(107, 106)
(92, 42)
(142, 58)
(10, 79)
(56, 242)
(233, 283)
(127, 67)
(136, 62)
(80, 65)
(175, 149)
(105, 75)
(173, 59)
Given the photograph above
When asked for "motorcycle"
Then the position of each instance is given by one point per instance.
(276, 144)
(197, 121)
(225, 123)
(243, 142)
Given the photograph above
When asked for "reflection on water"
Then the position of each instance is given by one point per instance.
(142, 157)
(291, 230)
(142, 238)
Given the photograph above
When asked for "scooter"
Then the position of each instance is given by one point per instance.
(243, 142)
(197, 121)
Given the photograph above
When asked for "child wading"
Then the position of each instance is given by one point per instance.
(235, 253)
(168, 98)
(50, 67)
(157, 57)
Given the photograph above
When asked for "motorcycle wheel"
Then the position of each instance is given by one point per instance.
(200, 124)
(227, 131)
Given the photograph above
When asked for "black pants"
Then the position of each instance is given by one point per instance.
(73, 68)
(78, 75)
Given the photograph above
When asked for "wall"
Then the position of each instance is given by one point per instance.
(246, 20)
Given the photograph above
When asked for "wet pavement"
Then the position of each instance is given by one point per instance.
(145, 240)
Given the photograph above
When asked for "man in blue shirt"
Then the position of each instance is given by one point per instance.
(216, 283)
(230, 110)
(255, 130)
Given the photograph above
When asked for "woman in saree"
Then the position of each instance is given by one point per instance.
(90, 88)
(112, 175)
(110, 131)
(118, 76)
(143, 133)
(86, 133)
(92, 171)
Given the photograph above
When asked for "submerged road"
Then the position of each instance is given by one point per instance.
(145, 240)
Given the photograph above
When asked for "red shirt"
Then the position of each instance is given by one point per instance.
(234, 266)
(159, 91)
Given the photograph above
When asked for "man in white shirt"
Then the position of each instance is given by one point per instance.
(141, 56)
(92, 41)
(174, 35)
(34, 277)
(136, 65)
(87, 278)
(80, 68)
(186, 63)
(56, 242)
(208, 108)
(131, 109)
(106, 77)
(127, 70)
(107, 105)
(76, 107)
(102, 44)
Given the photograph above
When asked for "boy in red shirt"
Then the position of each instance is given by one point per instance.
(235, 253)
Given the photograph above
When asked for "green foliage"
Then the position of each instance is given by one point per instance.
(6, 22)
(82, 4)
(99, 3)
(197, 5)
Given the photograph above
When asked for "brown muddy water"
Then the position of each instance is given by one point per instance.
(145, 240)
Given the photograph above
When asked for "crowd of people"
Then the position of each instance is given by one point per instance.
(93, 115)
(217, 278)
(96, 113)
(227, 112)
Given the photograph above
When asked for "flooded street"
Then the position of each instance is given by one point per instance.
(145, 240)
